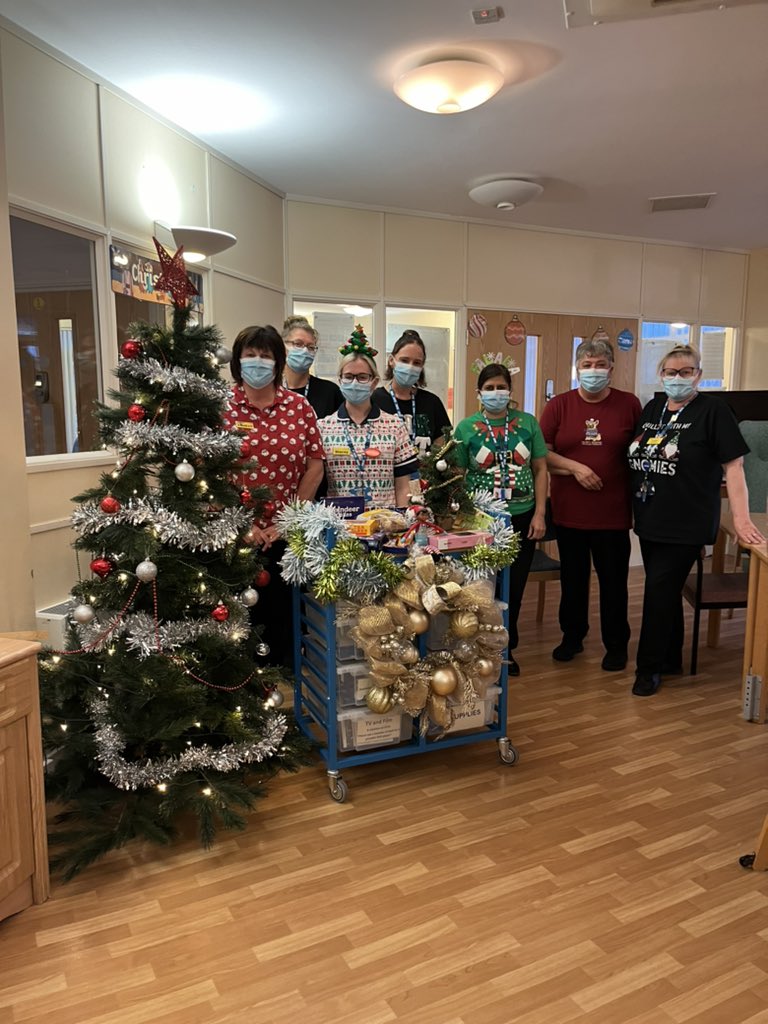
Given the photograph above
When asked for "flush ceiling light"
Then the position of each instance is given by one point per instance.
(449, 86)
(506, 193)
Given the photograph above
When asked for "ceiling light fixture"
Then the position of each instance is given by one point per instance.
(449, 86)
(199, 243)
(506, 193)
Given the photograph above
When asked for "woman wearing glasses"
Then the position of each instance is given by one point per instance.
(685, 444)
(368, 452)
(301, 344)
(404, 392)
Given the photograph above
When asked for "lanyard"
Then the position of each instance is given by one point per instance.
(359, 458)
(502, 464)
(398, 410)
(647, 488)
(300, 391)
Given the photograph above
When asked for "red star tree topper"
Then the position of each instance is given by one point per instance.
(174, 278)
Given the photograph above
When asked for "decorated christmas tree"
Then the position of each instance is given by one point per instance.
(442, 481)
(162, 706)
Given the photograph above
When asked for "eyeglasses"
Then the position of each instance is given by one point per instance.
(361, 378)
(298, 344)
(685, 372)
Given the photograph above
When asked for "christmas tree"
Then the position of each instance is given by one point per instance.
(442, 481)
(162, 705)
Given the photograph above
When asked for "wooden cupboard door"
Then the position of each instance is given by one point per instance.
(16, 856)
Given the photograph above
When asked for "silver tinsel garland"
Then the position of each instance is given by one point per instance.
(503, 536)
(172, 378)
(169, 437)
(310, 522)
(169, 527)
(124, 774)
(142, 637)
(485, 502)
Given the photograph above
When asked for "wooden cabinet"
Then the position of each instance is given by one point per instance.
(23, 844)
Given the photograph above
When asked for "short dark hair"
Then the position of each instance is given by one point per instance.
(266, 339)
(409, 337)
(494, 370)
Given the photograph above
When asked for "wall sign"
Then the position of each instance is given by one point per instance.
(137, 276)
(625, 340)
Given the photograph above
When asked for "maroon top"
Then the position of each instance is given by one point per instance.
(598, 435)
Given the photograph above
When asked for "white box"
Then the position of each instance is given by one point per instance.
(474, 714)
(346, 648)
(361, 729)
(53, 621)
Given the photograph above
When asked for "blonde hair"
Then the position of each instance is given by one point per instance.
(352, 356)
(298, 323)
(681, 350)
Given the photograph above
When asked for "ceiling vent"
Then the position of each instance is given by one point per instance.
(579, 13)
(664, 204)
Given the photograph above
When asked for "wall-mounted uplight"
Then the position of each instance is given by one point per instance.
(199, 243)
(449, 86)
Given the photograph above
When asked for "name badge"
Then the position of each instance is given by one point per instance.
(244, 425)
(340, 449)
(654, 440)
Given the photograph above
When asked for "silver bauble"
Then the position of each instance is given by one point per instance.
(249, 597)
(223, 354)
(185, 472)
(146, 571)
(276, 699)
(441, 465)
(455, 506)
(83, 613)
(262, 650)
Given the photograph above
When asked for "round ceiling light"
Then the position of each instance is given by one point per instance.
(449, 86)
(506, 193)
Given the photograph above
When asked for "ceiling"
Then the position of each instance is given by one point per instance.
(603, 117)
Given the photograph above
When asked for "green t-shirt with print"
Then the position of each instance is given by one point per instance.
(510, 477)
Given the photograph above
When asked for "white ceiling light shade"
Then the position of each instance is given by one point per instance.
(449, 86)
(200, 243)
(506, 193)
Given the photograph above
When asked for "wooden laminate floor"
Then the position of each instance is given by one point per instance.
(595, 881)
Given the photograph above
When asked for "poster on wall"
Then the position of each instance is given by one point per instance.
(136, 276)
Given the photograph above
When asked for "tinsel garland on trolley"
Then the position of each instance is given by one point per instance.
(206, 444)
(168, 526)
(147, 637)
(172, 378)
(110, 745)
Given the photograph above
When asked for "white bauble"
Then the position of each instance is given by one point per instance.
(223, 354)
(146, 571)
(249, 597)
(185, 472)
(83, 613)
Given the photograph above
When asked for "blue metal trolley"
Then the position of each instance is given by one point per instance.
(316, 693)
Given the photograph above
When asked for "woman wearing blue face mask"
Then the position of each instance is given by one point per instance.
(281, 450)
(301, 344)
(369, 453)
(503, 451)
(685, 444)
(404, 392)
(588, 430)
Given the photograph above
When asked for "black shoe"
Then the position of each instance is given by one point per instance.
(646, 685)
(566, 651)
(614, 661)
(514, 668)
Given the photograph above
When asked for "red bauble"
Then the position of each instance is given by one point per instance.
(262, 578)
(130, 349)
(136, 412)
(110, 505)
(102, 567)
(245, 448)
(246, 498)
(220, 613)
(268, 509)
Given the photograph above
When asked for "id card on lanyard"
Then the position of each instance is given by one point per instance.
(360, 459)
(503, 490)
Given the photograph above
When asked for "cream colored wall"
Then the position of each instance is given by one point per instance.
(754, 360)
(80, 153)
(16, 593)
(430, 261)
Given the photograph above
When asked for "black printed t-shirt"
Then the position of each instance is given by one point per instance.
(683, 461)
(323, 395)
(431, 417)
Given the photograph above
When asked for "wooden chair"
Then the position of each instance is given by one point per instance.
(705, 591)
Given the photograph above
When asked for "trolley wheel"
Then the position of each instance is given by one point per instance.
(747, 860)
(508, 754)
(338, 788)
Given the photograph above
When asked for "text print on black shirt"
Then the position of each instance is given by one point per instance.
(655, 449)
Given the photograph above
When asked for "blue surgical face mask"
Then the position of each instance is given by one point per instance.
(355, 392)
(299, 359)
(406, 375)
(594, 381)
(677, 388)
(257, 371)
(494, 401)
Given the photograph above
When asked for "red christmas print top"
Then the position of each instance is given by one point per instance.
(280, 440)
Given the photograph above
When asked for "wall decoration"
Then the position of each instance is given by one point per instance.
(625, 340)
(514, 332)
(477, 325)
(601, 334)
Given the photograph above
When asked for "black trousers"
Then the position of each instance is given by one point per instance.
(609, 551)
(662, 632)
(518, 572)
(273, 614)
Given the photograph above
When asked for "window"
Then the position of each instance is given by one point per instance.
(656, 339)
(716, 345)
(436, 328)
(54, 283)
(334, 323)
(531, 382)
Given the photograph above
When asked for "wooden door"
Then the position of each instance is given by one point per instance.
(16, 853)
